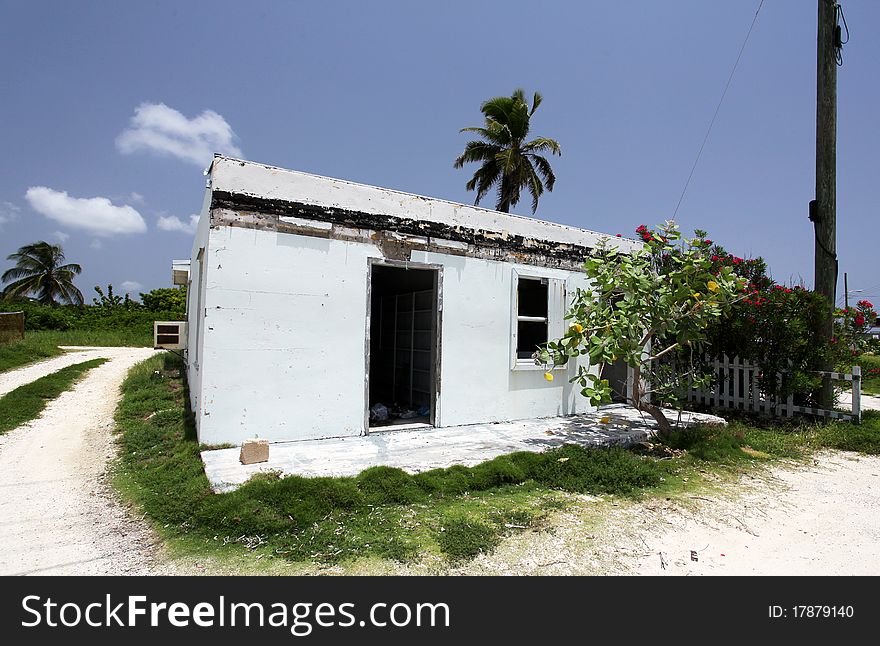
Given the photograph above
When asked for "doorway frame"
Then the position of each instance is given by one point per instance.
(436, 342)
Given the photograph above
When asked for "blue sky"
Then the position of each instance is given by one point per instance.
(117, 102)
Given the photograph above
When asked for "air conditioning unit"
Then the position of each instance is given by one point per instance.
(169, 335)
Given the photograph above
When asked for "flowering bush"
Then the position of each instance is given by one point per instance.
(654, 302)
(776, 327)
(851, 325)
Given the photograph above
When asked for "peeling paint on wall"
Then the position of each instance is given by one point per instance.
(396, 236)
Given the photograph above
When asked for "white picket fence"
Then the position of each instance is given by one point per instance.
(737, 386)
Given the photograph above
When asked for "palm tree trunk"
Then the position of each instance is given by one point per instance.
(504, 199)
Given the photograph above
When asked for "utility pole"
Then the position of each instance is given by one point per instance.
(824, 215)
(845, 291)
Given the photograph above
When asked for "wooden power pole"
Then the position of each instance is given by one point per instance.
(824, 215)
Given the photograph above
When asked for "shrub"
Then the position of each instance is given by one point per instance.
(851, 325)
(776, 327)
(166, 299)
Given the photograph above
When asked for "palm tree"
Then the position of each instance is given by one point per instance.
(38, 271)
(507, 159)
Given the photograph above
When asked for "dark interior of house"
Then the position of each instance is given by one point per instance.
(402, 339)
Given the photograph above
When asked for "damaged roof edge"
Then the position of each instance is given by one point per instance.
(260, 183)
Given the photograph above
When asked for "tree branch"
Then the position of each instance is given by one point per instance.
(660, 354)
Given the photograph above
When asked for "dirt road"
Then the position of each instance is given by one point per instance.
(58, 514)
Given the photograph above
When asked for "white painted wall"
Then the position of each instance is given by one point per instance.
(194, 313)
(284, 338)
(477, 383)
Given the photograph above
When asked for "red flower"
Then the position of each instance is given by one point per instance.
(707, 241)
(867, 304)
(859, 320)
(619, 236)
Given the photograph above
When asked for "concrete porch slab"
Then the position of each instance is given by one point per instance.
(415, 451)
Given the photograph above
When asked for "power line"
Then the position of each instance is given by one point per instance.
(717, 108)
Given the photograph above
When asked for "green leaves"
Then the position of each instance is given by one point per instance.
(38, 272)
(597, 390)
(507, 161)
(662, 296)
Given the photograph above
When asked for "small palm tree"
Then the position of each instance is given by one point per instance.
(508, 160)
(39, 271)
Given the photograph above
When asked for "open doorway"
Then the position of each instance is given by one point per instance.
(618, 375)
(403, 346)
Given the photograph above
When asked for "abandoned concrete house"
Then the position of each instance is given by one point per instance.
(324, 308)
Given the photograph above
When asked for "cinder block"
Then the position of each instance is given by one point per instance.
(254, 451)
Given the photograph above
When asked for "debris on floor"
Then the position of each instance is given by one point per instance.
(378, 413)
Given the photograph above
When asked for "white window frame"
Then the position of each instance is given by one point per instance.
(556, 303)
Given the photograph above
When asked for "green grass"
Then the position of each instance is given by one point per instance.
(870, 364)
(32, 348)
(384, 513)
(26, 402)
(44, 344)
(794, 439)
(464, 538)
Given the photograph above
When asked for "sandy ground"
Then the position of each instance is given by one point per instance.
(58, 514)
(823, 519)
(820, 519)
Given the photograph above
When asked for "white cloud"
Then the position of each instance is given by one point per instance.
(8, 213)
(61, 236)
(157, 128)
(98, 215)
(136, 197)
(130, 286)
(96, 244)
(174, 223)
